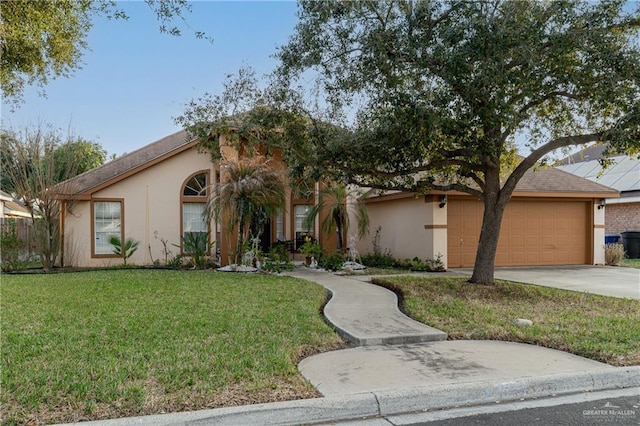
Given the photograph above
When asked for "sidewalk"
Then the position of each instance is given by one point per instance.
(402, 366)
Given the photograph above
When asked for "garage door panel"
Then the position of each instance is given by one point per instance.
(532, 233)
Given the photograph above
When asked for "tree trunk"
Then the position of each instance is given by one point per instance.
(488, 242)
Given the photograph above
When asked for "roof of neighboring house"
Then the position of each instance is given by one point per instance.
(12, 207)
(623, 174)
(126, 165)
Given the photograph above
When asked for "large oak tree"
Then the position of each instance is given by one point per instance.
(444, 90)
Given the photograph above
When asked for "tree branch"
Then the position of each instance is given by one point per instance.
(537, 154)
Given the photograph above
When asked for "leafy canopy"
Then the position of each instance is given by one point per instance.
(442, 88)
(42, 39)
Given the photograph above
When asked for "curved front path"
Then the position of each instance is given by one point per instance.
(397, 353)
(367, 314)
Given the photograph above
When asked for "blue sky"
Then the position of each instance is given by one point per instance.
(135, 80)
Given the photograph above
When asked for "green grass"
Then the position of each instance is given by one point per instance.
(602, 328)
(631, 263)
(130, 342)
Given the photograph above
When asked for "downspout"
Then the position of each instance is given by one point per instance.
(63, 208)
(147, 241)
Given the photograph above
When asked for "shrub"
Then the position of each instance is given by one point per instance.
(14, 255)
(278, 259)
(379, 260)
(613, 254)
(126, 251)
(429, 265)
(332, 261)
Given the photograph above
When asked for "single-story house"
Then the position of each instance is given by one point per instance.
(12, 208)
(623, 213)
(159, 191)
(553, 218)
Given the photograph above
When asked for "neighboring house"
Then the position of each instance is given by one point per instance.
(12, 208)
(553, 218)
(623, 213)
(158, 192)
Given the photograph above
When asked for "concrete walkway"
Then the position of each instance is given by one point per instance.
(400, 369)
(371, 313)
(366, 314)
(603, 280)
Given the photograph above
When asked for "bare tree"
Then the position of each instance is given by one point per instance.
(30, 168)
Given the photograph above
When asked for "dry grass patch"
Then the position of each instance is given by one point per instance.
(597, 327)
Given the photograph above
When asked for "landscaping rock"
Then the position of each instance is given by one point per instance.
(523, 322)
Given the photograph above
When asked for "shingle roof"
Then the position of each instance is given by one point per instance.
(545, 182)
(554, 180)
(124, 164)
(593, 152)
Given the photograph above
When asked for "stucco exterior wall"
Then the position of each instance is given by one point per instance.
(405, 228)
(622, 217)
(151, 203)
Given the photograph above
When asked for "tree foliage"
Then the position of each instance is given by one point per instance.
(442, 89)
(339, 203)
(421, 95)
(250, 188)
(41, 40)
(33, 161)
(82, 155)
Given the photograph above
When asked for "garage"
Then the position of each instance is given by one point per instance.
(534, 232)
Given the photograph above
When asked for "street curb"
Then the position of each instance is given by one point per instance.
(393, 402)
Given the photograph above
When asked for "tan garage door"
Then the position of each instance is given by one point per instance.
(532, 233)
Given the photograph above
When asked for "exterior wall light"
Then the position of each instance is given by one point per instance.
(443, 201)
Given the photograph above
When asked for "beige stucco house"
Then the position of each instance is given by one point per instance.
(553, 218)
(159, 191)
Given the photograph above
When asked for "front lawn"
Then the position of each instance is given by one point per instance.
(602, 328)
(107, 344)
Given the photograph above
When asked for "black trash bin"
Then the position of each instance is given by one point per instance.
(631, 243)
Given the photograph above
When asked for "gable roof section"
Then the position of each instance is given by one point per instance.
(544, 183)
(12, 207)
(83, 185)
(557, 181)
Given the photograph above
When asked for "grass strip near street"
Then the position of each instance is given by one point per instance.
(108, 344)
(631, 263)
(602, 328)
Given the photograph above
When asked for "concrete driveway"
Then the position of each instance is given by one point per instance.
(605, 280)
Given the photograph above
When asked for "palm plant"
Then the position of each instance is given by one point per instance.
(334, 200)
(126, 251)
(251, 188)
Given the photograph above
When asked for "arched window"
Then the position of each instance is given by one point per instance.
(194, 227)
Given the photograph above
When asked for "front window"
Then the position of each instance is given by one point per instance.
(107, 223)
(194, 227)
(299, 226)
(195, 230)
(280, 226)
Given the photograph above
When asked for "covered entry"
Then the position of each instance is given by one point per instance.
(533, 232)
